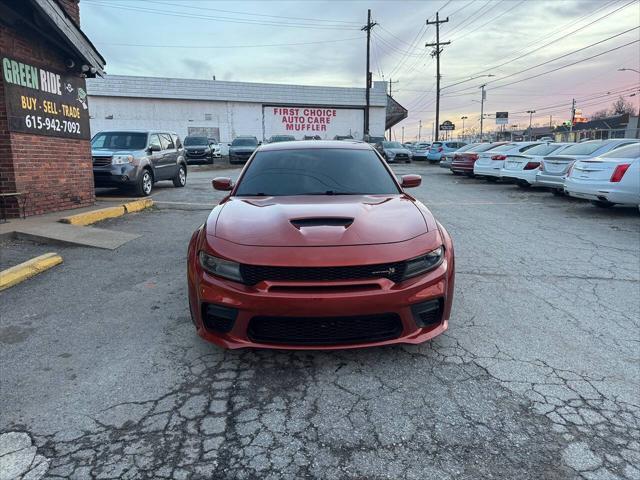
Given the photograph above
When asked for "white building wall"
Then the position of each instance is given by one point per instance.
(231, 118)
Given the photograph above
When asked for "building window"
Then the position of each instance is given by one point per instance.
(207, 116)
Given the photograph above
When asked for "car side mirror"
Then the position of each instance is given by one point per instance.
(154, 148)
(222, 183)
(411, 181)
(228, 144)
(259, 143)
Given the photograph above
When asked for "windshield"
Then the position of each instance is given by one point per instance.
(196, 141)
(282, 138)
(244, 142)
(318, 171)
(120, 141)
(482, 147)
(586, 148)
(544, 149)
(504, 148)
(392, 145)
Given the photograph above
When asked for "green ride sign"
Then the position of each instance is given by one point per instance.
(43, 102)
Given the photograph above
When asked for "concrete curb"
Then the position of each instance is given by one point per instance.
(101, 214)
(14, 275)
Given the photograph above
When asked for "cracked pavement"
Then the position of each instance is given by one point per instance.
(538, 376)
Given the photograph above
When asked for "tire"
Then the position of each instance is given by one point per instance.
(558, 192)
(491, 179)
(471, 175)
(180, 180)
(523, 184)
(456, 173)
(602, 203)
(145, 183)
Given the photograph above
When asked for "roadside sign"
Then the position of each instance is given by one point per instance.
(502, 118)
(447, 125)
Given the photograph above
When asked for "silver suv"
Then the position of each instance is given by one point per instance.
(137, 159)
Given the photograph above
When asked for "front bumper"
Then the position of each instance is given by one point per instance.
(419, 156)
(446, 162)
(435, 156)
(551, 181)
(115, 175)
(197, 157)
(324, 301)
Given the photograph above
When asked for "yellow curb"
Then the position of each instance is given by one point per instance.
(94, 216)
(30, 268)
(138, 205)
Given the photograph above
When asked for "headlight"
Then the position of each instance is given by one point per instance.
(122, 159)
(220, 267)
(424, 263)
(390, 154)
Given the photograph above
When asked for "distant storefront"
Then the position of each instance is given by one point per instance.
(45, 154)
(225, 110)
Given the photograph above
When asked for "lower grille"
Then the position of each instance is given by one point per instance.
(101, 161)
(253, 274)
(217, 318)
(325, 330)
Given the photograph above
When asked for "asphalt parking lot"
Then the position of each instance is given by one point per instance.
(538, 376)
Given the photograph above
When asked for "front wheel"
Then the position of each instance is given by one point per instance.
(558, 192)
(145, 184)
(524, 184)
(180, 180)
(602, 203)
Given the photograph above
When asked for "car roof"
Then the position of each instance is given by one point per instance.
(134, 130)
(302, 145)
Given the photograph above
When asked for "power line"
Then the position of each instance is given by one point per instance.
(490, 21)
(220, 19)
(558, 58)
(146, 45)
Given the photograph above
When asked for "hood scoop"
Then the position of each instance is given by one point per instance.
(322, 222)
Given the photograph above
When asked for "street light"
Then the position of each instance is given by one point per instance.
(463, 119)
(530, 112)
(628, 69)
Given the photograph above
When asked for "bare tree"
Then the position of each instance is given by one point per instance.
(604, 113)
(622, 106)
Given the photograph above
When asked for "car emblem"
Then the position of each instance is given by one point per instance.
(388, 271)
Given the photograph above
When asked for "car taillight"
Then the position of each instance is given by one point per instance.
(439, 149)
(619, 172)
(531, 165)
(499, 157)
(473, 156)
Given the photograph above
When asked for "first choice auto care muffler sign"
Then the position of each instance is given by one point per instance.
(325, 122)
(42, 102)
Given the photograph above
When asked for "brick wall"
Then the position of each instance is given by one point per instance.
(56, 173)
(72, 9)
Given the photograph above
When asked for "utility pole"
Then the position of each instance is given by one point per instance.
(391, 82)
(419, 129)
(368, 28)
(482, 98)
(550, 121)
(402, 134)
(573, 114)
(437, 53)
(530, 112)
(463, 119)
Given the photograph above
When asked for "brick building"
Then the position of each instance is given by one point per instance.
(45, 153)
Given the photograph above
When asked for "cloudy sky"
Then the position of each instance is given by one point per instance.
(527, 45)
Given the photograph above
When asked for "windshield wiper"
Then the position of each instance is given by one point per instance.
(334, 192)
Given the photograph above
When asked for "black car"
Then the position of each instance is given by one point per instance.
(198, 149)
(242, 148)
(311, 137)
(281, 138)
(343, 137)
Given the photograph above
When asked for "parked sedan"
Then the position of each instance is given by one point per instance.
(554, 168)
(490, 162)
(420, 151)
(439, 149)
(393, 152)
(242, 148)
(295, 257)
(522, 168)
(448, 158)
(463, 162)
(609, 179)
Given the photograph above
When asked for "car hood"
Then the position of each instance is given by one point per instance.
(312, 221)
(105, 152)
(244, 149)
(396, 150)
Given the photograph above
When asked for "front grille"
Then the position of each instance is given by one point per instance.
(253, 274)
(196, 154)
(402, 155)
(101, 161)
(325, 330)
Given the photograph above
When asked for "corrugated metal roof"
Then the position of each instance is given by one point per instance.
(216, 90)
